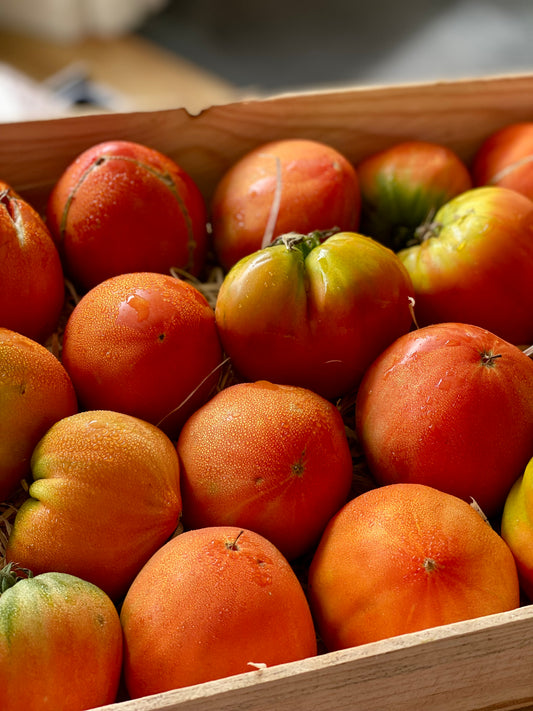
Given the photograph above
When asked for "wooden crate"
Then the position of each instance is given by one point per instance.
(485, 663)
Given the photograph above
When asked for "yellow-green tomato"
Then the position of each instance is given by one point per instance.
(60, 643)
(517, 527)
(313, 310)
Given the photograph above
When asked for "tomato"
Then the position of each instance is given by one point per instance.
(32, 289)
(35, 392)
(517, 527)
(145, 344)
(403, 186)
(505, 159)
(475, 264)
(125, 207)
(104, 496)
(313, 312)
(403, 558)
(60, 643)
(449, 406)
(291, 185)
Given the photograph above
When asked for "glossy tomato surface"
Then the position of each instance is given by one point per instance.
(313, 312)
(474, 264)
(450, 406)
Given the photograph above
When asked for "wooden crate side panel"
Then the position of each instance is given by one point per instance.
(356, 121)
(480, 664)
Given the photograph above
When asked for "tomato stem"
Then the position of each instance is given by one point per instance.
(305, 243)
(10, 574)
(488, 358)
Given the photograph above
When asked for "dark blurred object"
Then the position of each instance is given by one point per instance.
(281, 45)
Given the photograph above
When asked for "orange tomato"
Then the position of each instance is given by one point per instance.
(403, 558)
(35, 392)
(271, 458)
(105, 496)
(212, 603)
(145, 344)
(291, 185)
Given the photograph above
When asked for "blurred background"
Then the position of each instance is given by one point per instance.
(60, 57)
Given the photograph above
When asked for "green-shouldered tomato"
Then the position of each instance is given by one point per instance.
(313, 312)
(60, 643)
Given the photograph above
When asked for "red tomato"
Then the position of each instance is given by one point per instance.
(304, 185)
(313, 313)
(60, 644)
(506, 158)
(403, 186)
(450, 406)
(32, 289)
(475, 264)
(124, 207)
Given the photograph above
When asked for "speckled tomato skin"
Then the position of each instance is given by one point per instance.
(32, 289)
(316, 320)
(145, 344)
(319, 191)
(35, 392)
(224, 448)
(505, 158)
(76, 519)
(60, 645)
(404, 185)
(431, 411)
(125, 207)
(209, 604)
(478, 265)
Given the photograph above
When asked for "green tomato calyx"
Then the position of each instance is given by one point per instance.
(10, 574)
(305, 243)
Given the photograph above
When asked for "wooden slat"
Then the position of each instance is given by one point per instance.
(356, 121)
(468, 666)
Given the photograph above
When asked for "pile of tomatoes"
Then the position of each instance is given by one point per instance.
(187, 393)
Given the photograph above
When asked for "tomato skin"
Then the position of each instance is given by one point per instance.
(504, 159)
(319, 191)
(404, 185)
(517, 527)
(125, 207)
(316, 316)
(431, 411)
(60, 645)
(32, 290)
(478, 267)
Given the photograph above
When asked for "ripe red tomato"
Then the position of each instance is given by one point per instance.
(403, 186)
(32, 289)
(60, 643)
(313, 313)
(124, 207)
(451, 406)
(317, 188)
(475, 264)
(505, 158)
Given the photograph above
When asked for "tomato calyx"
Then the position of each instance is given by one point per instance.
(10, 575)
(428, 229)
(488, 358)
(305, 243)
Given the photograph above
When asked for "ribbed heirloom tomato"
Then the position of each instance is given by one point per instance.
(105, 495)
(313, 310)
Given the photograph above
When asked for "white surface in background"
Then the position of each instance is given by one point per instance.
(71, 20)
(23, 99)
